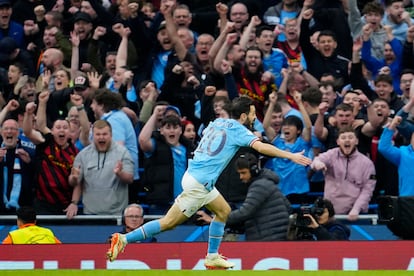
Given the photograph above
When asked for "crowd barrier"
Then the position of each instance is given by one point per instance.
(373, 218)
(309, 256)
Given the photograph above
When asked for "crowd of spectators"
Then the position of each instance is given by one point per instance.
(86, 84)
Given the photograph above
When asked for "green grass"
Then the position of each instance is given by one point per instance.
(199, 272)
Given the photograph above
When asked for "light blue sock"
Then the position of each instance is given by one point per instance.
(147, 230)
(215, 235)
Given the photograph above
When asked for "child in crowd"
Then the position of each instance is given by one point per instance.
(294, 137)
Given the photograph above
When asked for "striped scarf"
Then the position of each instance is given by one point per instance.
(11, 193)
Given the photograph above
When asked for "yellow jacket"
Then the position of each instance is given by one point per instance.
(31, 234)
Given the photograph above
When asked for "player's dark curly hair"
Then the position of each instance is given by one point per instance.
(239, 106)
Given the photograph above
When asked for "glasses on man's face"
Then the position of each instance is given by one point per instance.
(134, 217)
(10, 129)
(201, 43)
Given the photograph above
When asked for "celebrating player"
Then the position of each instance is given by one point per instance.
(221, 139)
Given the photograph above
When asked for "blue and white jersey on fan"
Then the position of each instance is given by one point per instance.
(221, 140)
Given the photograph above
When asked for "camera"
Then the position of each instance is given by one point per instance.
(315, 211)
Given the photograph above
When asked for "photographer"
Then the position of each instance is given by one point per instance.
(320, 224)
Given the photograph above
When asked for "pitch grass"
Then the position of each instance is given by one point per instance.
(201, 272)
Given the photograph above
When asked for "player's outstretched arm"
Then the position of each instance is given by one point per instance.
(271, 150)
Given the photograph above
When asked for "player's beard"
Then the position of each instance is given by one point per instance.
(249, 124)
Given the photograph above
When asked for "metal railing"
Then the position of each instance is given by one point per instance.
(118, 219)
(91, 218)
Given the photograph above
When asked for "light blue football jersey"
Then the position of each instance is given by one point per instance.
(221, 140)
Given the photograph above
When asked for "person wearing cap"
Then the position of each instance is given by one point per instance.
(166, 158)
(172, 110)
(99, 15)
(101, 19)
(83, 26)
(8, 27)
(81, 86)
(28, 232)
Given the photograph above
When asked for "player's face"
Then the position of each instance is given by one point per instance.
(245, 175)
(102, 138)
(251, 116)
(347, 142)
